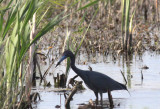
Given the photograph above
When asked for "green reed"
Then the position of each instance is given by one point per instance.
(15, 31)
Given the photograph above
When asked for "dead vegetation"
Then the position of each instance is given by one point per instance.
(104, 34)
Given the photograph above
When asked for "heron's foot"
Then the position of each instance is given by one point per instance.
(96, 101)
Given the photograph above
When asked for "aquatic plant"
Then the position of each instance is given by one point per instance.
(18, 23)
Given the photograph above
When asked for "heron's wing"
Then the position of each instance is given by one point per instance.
(102, 82)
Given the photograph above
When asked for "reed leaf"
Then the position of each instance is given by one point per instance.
(122, 19)
(88, 5)
(131, 22)
(127, 15)
(10, 21)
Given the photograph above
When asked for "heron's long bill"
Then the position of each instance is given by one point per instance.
(63, 57)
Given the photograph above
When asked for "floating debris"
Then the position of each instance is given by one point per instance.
(72, 81)
(74, 90)
(48, 84)
(57, 106)
(145, 67)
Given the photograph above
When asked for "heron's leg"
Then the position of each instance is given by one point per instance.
(101, 94)
(110, 99)
(96, 93)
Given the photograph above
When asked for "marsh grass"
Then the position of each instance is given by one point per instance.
(14, 43)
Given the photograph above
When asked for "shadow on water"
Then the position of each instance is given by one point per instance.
(142, 82)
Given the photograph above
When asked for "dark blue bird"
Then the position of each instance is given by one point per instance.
(97, 82)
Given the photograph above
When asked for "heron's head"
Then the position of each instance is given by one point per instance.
(65, 55)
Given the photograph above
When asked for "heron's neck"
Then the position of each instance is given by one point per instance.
(74, 68)
(72, 61)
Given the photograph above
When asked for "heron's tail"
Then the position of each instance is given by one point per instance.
(123, 86)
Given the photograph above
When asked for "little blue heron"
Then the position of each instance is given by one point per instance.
(97, 82)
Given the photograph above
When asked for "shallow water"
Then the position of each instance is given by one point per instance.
(144, 94)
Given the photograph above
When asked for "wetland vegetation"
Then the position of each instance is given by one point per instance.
(120, 38)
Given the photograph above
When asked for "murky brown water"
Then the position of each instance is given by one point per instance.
(144, 94)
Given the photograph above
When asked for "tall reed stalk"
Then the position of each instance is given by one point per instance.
(125, 24)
